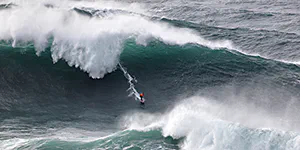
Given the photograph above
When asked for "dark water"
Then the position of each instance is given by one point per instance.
(234, 87)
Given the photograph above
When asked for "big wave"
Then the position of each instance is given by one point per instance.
(92, 44)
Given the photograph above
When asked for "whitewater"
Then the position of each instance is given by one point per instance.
(208, 125)
(216, 75)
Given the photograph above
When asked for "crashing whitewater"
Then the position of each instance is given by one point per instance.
(211, 125)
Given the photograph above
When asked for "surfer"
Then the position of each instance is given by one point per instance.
(142, 101)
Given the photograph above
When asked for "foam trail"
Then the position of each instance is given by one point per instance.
(131, 80)
(65, 135)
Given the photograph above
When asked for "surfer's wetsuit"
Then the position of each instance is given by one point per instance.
(142, 101)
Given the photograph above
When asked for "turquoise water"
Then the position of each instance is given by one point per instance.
(209, 83)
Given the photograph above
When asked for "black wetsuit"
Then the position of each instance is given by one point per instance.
(142, 102)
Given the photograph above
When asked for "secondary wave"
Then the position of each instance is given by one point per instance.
(207, 124)
(194, 123)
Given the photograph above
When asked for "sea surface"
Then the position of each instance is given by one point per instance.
(217, 75)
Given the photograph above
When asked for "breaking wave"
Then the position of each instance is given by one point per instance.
(207, 124)
(92, 44)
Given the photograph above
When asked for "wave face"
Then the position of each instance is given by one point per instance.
(211, 81)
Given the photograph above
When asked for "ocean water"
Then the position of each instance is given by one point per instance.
(216, 74)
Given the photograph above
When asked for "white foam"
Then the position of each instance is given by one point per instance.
(92, 44)
(207, 124)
